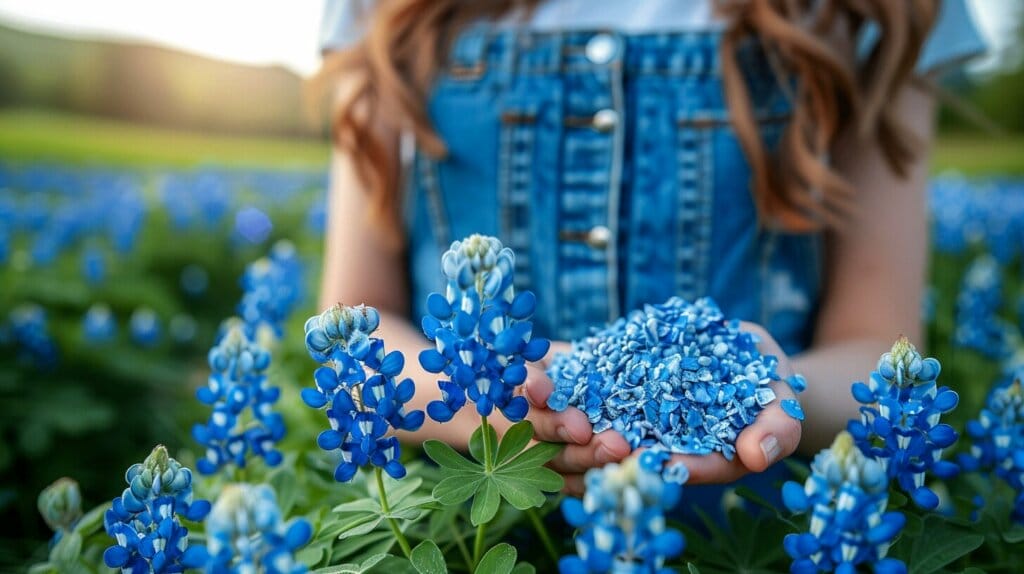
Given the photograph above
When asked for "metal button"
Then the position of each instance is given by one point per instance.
(601, 48)
(605, 120)
(598, 237)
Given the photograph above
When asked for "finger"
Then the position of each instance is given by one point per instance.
(772, 436)
(538, 387)
(569, 426)
(710, 469)
(574, 485)
(557, 348)
(605, 447)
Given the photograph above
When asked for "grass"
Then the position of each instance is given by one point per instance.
(33, 135)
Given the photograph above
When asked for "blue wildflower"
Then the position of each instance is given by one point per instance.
(246, 533)
(677, 375)
(621, 522)
(978, 324)
(846, 495)
(94, 266)
(357, 386)
(29, 330)
(481, 332)
(273, 287)
(60, 505)
(997, 440)
(144, 327)
(98, 324)
(899, 424)
(253, 224)
(145, 520)
(243, 420)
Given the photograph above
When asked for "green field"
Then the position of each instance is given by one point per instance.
(30, 135)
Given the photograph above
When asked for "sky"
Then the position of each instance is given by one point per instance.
(278, 32)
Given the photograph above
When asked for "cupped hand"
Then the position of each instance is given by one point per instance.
(584, 450)
(772, 436)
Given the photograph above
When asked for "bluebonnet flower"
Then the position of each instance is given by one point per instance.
(252, 224)
(997, 439)
(978, 324)
(145, 520)
(361, 408)
(481, 332)
(245, 533)
(899, 424)
(243, 421)
(60, 505)
(29, 330)
(94, 265)
(273, 288)
(678, 375)
(621, 522)
(182, 328)
(144, 327)
(846, 495)
(98, 324)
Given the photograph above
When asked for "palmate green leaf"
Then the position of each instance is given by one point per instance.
(485, 503)
(67, 550)
(535, 456)
(942, 544)
(352, 568)
(1014, 535)
(284, 484)
(365, 525)
(358, 506)
(399, 490)
(514, 441)
(427, 558)
(498, 560)
(476, 443)
(457, 489)
(524, 568)
(448, 458)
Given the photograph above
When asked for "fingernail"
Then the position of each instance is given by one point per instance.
(770, 448)
(602, 455)
(563, 433)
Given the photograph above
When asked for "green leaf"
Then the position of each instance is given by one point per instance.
(942, 545)
(284, 485)
(476, 443)
(447, 457)
(91, 521)
(1014, 535)
(457, 489)
(514, 441)
(692, 568)
(427, 558)
(372, 561)
(365, 524)
(358, 506)
(399, 490)
(896, 500)
(518, 493)
(535, 456)
(312, 554)
(485, 503)
(541, 478)
(68, 549)
(524, 568)
(498, 560)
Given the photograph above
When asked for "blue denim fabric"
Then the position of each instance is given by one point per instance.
(607, 162)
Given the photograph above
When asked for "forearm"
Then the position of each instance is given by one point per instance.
(830, 370)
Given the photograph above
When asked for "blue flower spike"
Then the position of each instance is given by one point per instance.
(845, 495)
(997, 439)
(246, 533)
(621, 519)
(145, 521)
(899, 423)
(481, 332)
(60, 505)
(676, 376)
(243, 422)
(359, 389)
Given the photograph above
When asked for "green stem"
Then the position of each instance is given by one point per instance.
(542, 531)
(481, 529)
(406, 549)
(462, 546)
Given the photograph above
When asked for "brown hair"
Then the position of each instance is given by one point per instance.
(389, 72)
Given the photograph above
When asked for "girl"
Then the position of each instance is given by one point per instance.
(768, 153)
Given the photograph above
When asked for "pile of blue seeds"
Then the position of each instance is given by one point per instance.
(677, 376)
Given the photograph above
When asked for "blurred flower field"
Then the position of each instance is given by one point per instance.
(115, 278)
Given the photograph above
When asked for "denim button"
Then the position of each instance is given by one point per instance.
(599, 236)
(605, 120)
(601, 48)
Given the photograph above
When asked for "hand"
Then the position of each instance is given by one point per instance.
(584, 450)
(772, 436)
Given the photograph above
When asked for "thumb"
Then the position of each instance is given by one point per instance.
(773, 436)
